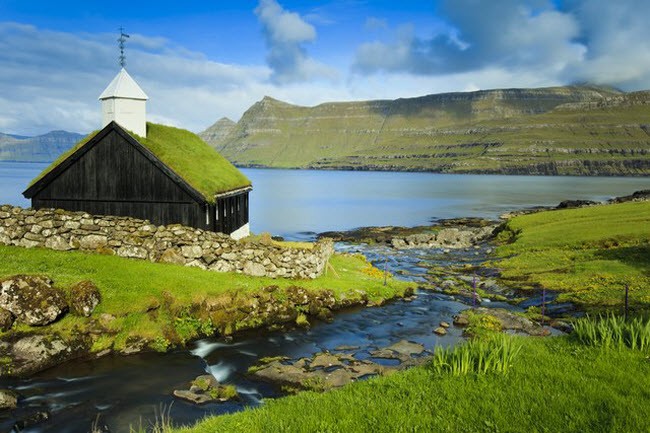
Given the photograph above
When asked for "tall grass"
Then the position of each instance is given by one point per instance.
(492, 355)
(161, 424)
(613, 332)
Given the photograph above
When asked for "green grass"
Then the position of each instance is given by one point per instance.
(614, 332)
(481, 356)
(589, 254)
(186, 154)
(149, 300)
(553, 385)
(194, 160)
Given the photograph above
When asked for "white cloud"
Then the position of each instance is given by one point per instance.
(615, 35)
(583, 40)
(286, 34)
(284, 27)
(51, 80)
(508, 33)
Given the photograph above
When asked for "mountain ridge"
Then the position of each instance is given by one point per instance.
(573, 130)
(41, 148)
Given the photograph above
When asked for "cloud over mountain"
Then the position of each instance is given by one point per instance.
(594, 40)
(309, 53)
(285, 34)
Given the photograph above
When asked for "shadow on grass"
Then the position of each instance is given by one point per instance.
(635, 256)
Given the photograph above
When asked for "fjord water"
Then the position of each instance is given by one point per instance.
(294, 204)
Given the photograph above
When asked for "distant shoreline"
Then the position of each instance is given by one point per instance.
(416, 170)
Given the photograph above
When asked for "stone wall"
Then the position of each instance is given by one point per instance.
(139, 239)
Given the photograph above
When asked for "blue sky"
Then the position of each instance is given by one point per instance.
(201, 60)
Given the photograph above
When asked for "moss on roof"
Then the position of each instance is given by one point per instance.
(193, 160)
(186, 154)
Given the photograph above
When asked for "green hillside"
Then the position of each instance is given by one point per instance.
(574, 130)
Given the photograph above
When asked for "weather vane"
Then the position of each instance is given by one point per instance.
(121, 41)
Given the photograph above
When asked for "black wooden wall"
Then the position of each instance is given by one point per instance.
(116, 178)
(231, 212)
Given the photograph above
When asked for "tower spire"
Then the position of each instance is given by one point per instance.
(121, 41)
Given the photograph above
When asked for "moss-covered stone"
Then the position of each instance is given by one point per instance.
(32, 299)
(84, 297)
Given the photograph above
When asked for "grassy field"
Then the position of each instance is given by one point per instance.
(147, 299)
(552, 385)
(595, 380)
(589, 254)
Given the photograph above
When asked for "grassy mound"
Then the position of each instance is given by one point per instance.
(589, 254)
(164, 304)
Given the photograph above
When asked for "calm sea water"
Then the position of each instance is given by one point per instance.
(294, 203)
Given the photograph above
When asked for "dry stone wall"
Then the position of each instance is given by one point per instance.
(61, 230)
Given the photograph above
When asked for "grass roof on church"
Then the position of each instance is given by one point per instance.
(186, 154)
(193, 159)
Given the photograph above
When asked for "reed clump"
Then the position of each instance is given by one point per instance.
(613, 332)
(480, 356)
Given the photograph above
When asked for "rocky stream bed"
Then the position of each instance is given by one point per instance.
(220, 375)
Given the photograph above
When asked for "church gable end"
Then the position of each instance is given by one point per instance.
(164, 174)
(115, 175)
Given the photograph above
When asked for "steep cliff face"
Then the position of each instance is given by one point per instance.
(561, 130)
(43, 148)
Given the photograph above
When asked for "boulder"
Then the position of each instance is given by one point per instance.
(461, 320)
(222, 266)
(8, 399)
(207, 389)
(229, 256)
(38, 352)
(6, 319)
(84, 297)
(440, 331)
(32, 299)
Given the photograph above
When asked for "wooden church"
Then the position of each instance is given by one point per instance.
(143, 170)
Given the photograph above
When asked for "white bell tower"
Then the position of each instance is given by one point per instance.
(125, 102)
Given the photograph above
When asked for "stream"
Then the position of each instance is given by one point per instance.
(128, 391)
(121, 392)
